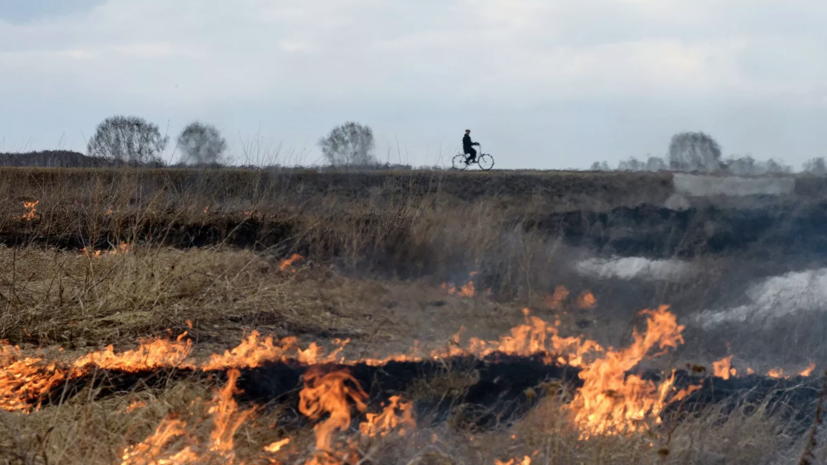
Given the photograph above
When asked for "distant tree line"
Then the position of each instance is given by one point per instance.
(135, 141)
(132, 141)
(53, 159)
(699, 152)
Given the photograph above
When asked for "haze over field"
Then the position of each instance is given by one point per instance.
(543, 84)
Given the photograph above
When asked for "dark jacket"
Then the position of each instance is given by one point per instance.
(466, 143)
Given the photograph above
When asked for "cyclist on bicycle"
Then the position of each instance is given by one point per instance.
(468, 147)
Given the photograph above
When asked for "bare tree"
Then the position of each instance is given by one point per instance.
(201, 144)
(128, 139)
(632, 164)
(350, 144)
(694, 151)
(600, 166)
(815, 166)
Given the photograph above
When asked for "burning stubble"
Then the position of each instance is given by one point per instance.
(330, 393)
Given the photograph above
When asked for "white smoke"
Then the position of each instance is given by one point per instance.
(629, 268)
(774, 298)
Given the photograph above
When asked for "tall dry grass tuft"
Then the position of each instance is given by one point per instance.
(404, 225)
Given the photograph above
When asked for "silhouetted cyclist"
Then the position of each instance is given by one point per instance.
(468, 147)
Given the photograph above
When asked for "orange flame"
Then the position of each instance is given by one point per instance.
(148, 451)
(467, 290)
(723, 368)
(151, 354)
(122, 249)
(249, 354)
(254, 352)
(386, 422)
(328, 393)
(226, 421)
(536, 336)
(610, 402)
(555, 302)
(526, 461)
(586, 301)
(809, 370)
(288, 263)
(276, 446)
(91, 253)
(776, 373)
(31, 213)
(135, 405)
(224, 416)
(25, 380)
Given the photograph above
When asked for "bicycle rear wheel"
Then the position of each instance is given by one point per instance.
(486, 162)
(458, 162)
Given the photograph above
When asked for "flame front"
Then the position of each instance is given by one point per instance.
(251, 353)
(535, 337)
(610, 402)
(150, 355)
(254, 352)
(25, 380)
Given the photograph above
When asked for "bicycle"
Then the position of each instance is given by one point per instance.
(484, 160)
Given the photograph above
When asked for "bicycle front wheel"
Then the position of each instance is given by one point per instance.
(459, 162)
(486, 162)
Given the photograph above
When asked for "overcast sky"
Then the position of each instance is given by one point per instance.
(541, 83)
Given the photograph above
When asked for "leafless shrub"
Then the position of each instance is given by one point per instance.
(201, 144)
(350, 144)
(127, 139)
(694, 151)
(815, 166)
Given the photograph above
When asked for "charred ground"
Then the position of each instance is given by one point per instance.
(206, 250)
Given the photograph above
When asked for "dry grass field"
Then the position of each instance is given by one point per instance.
(296, 317)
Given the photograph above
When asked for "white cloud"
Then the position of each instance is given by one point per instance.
(609, 76)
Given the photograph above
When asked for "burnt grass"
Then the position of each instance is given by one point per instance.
(490, 390)
(498, 390)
